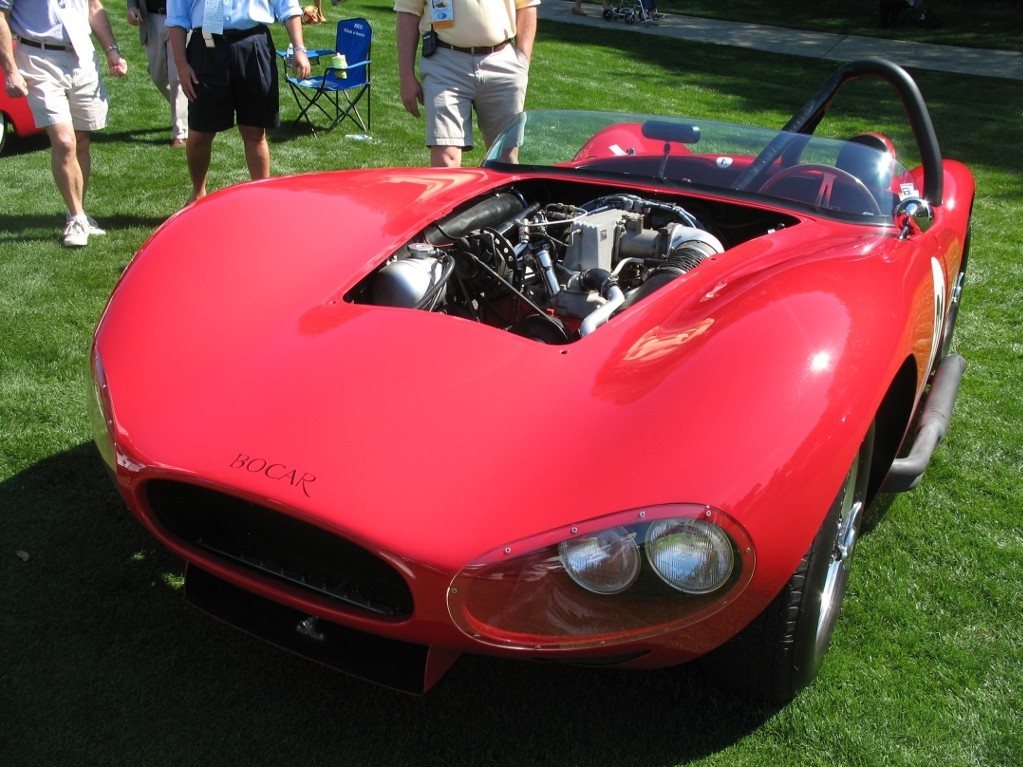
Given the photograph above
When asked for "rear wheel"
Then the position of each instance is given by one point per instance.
(953, 305)
(782, 650)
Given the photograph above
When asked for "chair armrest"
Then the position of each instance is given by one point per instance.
(311, 55)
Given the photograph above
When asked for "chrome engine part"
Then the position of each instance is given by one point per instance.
(553, 273)
(408, 281)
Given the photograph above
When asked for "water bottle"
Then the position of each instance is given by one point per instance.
(339, 62)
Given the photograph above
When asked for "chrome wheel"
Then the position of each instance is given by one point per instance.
(851, 505)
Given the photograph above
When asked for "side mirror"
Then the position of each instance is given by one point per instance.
(910, 210)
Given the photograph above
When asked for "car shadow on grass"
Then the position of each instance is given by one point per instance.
(113, 667)
(19, 145)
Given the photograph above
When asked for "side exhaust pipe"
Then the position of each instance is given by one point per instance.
(935, 415)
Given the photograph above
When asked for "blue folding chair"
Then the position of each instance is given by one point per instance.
(337, 92)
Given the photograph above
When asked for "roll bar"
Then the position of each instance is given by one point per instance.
(810, 115)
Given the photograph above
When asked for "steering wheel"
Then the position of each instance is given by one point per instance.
(828, 177)
(762, 161)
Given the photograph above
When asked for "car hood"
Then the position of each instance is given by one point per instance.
(233, 360)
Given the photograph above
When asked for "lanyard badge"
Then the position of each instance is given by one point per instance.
(441, 14)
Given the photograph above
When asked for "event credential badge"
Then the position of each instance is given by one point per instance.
(441, 14)
(213, 17)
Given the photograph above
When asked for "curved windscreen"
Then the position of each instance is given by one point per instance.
(856, 177)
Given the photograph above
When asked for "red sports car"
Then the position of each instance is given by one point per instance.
(620, 396)
(15, 116)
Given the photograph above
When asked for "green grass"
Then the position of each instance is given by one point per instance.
(102, 663)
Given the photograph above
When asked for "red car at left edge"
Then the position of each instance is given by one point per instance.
(15, 117)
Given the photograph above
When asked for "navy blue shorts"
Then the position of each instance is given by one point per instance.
(237, 77)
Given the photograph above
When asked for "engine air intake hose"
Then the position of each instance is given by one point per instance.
(486, 214)
(598, 280)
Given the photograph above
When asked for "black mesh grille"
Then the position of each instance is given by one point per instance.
(280, 546)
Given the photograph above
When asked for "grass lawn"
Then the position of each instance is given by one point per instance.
(102, 663)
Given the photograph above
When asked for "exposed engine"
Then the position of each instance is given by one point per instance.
(552, 273)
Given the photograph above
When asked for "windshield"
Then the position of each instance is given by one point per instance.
(855, 178)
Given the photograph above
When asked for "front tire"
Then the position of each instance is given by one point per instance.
(781, 651)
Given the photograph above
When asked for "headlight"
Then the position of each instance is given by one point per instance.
(616, 579)
(606, 562)
(689, 554)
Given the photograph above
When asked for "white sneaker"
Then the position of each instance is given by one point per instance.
(95, 229)
(76, 233)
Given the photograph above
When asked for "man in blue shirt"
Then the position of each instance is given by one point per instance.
(227, 68)
(57, 68)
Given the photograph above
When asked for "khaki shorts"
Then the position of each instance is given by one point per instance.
(455, 83)
(60, 91)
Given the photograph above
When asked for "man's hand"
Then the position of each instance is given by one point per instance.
(300, 65)
(116, 63)
(188, 80)
(15, 85)
(411, 95)
(300, 59)
(134, 17)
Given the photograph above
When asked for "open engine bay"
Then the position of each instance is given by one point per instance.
(554, 261)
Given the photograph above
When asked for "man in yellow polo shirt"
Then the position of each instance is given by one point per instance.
(475, 57)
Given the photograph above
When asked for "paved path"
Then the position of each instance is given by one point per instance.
(796, 42)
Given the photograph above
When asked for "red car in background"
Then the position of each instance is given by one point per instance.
(15, 117)
(621, 396)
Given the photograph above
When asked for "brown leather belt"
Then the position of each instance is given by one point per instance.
(476, 50)
(45, 46)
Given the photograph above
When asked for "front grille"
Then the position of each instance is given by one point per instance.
(274, 544)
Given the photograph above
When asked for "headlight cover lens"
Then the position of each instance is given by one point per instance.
(616, 579)
(606, 562)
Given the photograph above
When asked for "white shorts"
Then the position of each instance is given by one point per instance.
(455, 83)
(61, 91)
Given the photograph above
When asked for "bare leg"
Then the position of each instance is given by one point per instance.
(257, 151)
(82, 146)
(64, 163)
(198, 150)
(445, 156)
